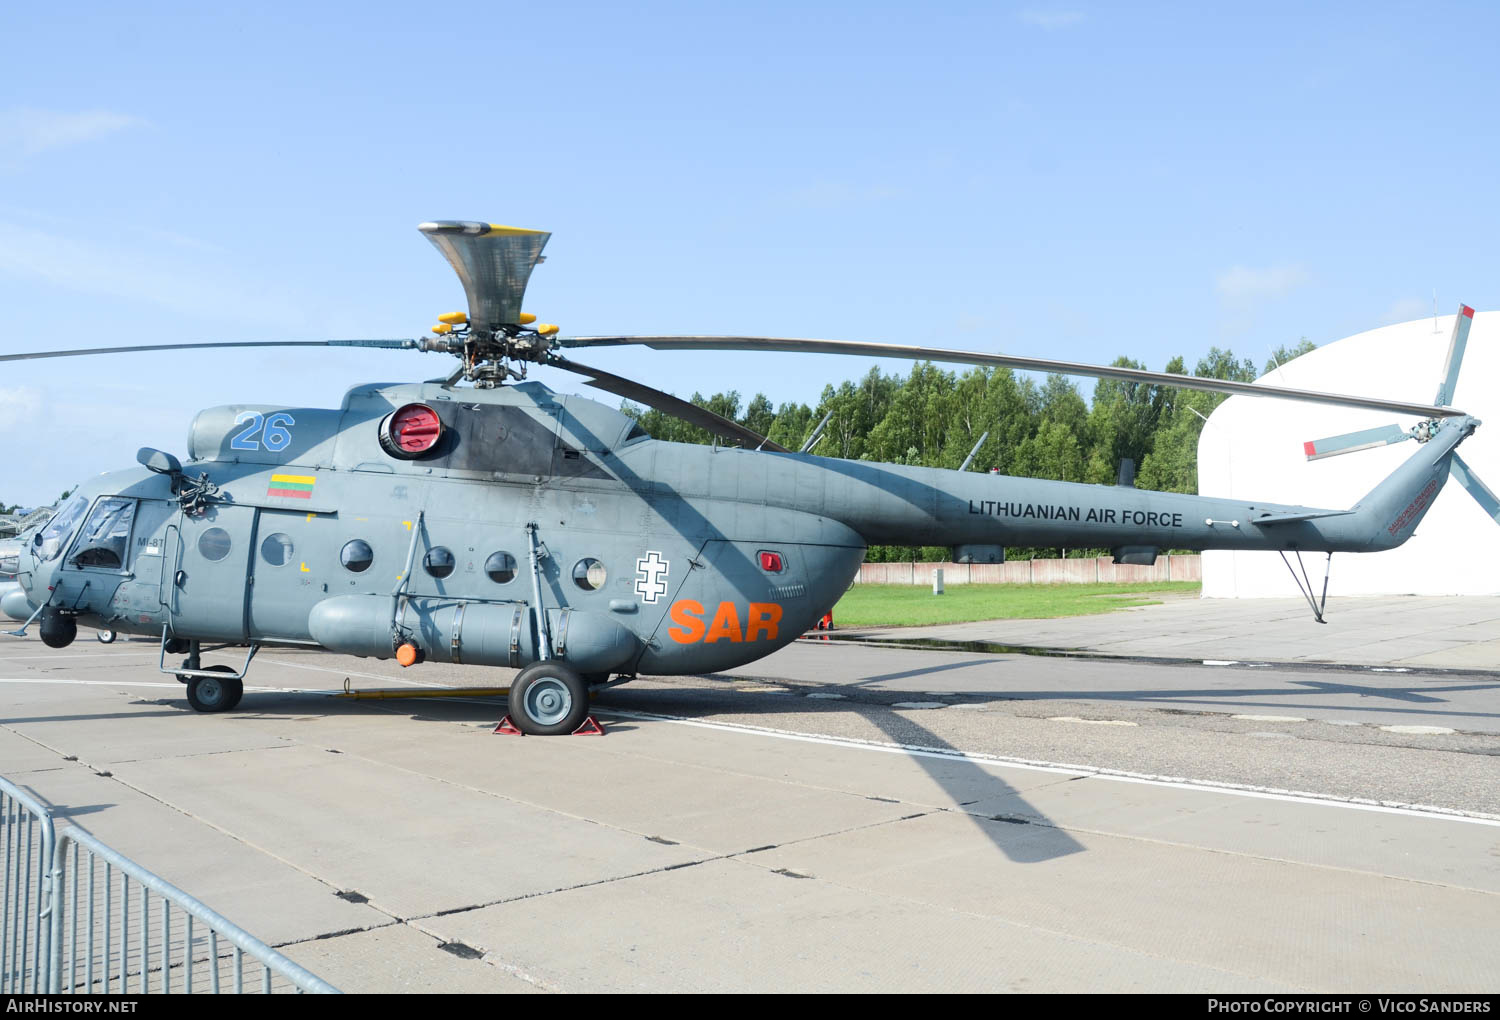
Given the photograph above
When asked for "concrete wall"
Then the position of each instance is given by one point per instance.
(1090, 571)
(1251, 450)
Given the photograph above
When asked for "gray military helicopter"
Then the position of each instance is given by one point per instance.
(503, 524)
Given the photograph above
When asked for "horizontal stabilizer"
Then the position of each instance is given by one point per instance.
(1349, 442)
(1298, 515)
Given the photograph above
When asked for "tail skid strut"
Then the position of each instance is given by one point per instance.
(1318, 604)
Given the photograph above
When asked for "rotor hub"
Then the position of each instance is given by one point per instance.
(491, 356)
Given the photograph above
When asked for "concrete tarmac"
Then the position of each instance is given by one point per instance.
(835, 817)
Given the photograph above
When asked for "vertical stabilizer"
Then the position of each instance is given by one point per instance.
(1391, 511)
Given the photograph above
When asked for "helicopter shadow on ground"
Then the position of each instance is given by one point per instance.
(1020, 831)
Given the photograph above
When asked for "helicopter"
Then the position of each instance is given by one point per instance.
(501, 523)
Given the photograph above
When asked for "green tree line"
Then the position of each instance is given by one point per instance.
(933, 417)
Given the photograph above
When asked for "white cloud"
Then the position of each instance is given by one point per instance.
(1051, 20)
(29, 131)
(1243, 284)
(179, 284)
(19, 406)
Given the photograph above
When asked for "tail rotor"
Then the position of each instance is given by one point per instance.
(1389, 435)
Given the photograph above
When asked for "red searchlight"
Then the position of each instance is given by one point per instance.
(410, 431)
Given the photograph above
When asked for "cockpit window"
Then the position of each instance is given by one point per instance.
(636, 432)
(106, 534)
(51, 539)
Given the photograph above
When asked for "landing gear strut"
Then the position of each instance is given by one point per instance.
(216, 688)
(1317, 604)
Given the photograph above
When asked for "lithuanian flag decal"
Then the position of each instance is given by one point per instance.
(293, 486)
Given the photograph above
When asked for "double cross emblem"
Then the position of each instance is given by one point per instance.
(651, 577)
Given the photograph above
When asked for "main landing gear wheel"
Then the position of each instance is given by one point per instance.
(547, 699)
(214, 694)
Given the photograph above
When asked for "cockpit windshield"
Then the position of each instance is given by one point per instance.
(51, 539)
(106, 534)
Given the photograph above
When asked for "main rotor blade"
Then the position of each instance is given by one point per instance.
(1352, 441)
(389, 344)
(665, 402)
(878, 350)
(1456, 345)
(1465, 476)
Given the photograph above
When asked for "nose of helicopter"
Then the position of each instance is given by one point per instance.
(24, 578)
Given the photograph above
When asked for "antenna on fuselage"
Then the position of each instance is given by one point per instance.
(973, 453)
(812, 440)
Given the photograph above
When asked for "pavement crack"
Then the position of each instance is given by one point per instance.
(611, 880)
(340, 933)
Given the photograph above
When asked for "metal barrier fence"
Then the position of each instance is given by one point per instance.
(26, 840)
(81, 918)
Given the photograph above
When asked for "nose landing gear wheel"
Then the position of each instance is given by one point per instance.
(105, 637)
(547, 699)
(214, 694)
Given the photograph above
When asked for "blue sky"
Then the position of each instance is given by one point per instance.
(1071, 180)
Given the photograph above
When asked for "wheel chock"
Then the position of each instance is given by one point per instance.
(588, 728)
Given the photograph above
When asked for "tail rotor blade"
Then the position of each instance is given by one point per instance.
(1352, 441)
(1456, 346)
(1463, 475)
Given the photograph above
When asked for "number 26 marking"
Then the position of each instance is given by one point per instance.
(276, 437)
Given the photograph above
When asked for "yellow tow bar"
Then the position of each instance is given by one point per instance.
(430, 692)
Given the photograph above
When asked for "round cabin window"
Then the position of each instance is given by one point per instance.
(214, 544)
(357, 556)
(276, 549)
(501, 567)
(438, 562)
(589, 574)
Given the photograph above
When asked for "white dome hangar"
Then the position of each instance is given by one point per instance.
(1252, 448)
